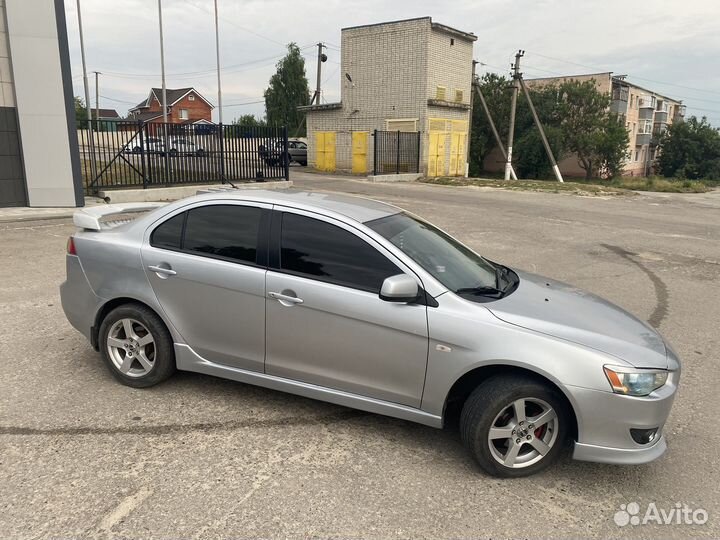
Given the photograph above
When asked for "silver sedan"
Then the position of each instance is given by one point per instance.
(362, 304)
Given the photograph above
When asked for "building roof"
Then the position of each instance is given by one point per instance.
(173, 96)
(624, 81)
(146, 116)
(605, 74)
(436, 26)
(108, 113)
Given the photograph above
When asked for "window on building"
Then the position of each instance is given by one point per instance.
(191, 98)
(452, 41)
(632, 100)
(441, 93)
(402, 124)
(458, 95)
(637, 155)
(184, 114)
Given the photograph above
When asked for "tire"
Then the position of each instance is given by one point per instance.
(139, 361)
(173, 152)
(493, 404)
(137, 150)
(200, 153)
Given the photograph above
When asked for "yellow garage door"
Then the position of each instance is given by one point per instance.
(359, 151)
(457, 154)
(325, 150)
(436, 153)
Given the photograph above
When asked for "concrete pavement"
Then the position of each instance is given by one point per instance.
(82, 456)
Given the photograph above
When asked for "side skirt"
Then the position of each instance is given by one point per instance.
(188, 360)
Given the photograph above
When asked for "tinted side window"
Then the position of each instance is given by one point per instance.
(169, 233)
(328, 253)
(223, 231)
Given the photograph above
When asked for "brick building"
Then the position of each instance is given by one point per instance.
(410, 75)
(646, 115)
(185, 106)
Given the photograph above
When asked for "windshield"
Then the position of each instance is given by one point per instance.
(451, 263)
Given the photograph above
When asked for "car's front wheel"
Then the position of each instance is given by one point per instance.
(136, 346)
(513, 425)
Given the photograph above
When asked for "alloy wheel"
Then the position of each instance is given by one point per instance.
(131, 347)
(523, 433)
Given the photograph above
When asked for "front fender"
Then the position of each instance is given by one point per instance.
(465, 336)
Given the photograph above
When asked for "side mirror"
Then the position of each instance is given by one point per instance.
(399, 288)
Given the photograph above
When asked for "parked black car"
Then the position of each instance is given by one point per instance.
(274, 154)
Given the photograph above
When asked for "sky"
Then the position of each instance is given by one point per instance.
(671, 47)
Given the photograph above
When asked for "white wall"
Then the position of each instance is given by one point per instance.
(40, 101)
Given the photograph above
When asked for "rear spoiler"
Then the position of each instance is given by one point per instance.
(89, 218)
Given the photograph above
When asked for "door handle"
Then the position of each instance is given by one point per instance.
(285, 298)
(162, 270)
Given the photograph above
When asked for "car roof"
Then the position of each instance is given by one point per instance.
(356, 208)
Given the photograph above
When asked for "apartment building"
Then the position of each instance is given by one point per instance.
(410, 75)
(646, 114)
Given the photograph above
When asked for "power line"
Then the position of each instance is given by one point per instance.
(119, 100)
(245, 103)
(537, 69)
(633, 76)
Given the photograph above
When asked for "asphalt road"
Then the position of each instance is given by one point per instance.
(82, 456)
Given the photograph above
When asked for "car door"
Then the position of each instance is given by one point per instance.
(326, 324)
(207, 266)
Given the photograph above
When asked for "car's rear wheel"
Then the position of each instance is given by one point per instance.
(513, 426)
(136, 346)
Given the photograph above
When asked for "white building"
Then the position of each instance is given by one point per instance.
(411, 75)
(39, 162)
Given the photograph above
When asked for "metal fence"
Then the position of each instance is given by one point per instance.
(122, 154)
(396, 152)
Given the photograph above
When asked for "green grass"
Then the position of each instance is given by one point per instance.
(618, 186)
(531, 185)
(656, 183)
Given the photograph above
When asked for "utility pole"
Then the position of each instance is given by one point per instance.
(97, 98)
(91, 137)
(217, 54)
(548, 150)
(498, 141)
(469, 134)
(162, 64)
(513, 106)
(320, 59)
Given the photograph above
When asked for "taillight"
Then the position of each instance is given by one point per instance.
(71, 246)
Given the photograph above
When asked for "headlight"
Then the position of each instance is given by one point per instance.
(634, 382)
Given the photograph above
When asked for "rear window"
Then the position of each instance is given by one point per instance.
(223, 231)
(169, 234)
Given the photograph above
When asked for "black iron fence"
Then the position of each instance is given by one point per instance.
(122, 154)
(396, 152)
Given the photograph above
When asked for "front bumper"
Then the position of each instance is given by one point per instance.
(605, 420)
(620, 456)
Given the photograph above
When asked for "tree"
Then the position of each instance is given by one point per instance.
(81, 116)
(585, 119)
(248, 120)
(612, 144)
(288, 89)
(482, 141)
(690, 149)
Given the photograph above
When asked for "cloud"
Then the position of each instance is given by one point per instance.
(660, 41)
